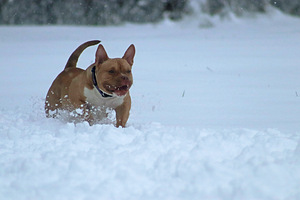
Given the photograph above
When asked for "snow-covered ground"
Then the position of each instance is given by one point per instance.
(215, 115)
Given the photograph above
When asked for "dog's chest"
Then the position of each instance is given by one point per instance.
(94, 98)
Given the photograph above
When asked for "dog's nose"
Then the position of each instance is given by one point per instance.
(125, 78)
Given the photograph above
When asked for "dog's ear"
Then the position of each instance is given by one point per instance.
(129, 54)
(101, 55)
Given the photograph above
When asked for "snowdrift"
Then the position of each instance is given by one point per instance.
(215, 114)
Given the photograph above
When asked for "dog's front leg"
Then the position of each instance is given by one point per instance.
(122, 112)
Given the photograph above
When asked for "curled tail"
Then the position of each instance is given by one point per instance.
(75, 55)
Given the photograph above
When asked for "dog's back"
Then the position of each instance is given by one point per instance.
(57, 93)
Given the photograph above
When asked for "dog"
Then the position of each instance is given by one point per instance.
(87, 94)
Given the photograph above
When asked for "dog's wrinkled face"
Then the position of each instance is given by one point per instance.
(114, 75)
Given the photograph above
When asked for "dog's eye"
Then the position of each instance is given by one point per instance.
(128, 71)
(111, 71)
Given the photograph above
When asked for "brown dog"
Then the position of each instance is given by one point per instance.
(86, 94)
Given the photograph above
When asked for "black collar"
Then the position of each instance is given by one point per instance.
(103, 94)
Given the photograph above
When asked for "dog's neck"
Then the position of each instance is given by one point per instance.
(103, 94)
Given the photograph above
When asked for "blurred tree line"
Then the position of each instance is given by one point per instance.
(241, 7)
(89, 12)
(107, 12)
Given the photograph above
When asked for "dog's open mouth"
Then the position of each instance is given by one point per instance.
(120, 91)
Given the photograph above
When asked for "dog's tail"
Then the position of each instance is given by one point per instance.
(75, 55)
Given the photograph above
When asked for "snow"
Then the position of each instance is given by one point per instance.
(215, 114)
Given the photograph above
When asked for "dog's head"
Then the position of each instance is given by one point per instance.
(114, 75)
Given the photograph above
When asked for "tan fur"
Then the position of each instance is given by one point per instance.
(73, 88)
